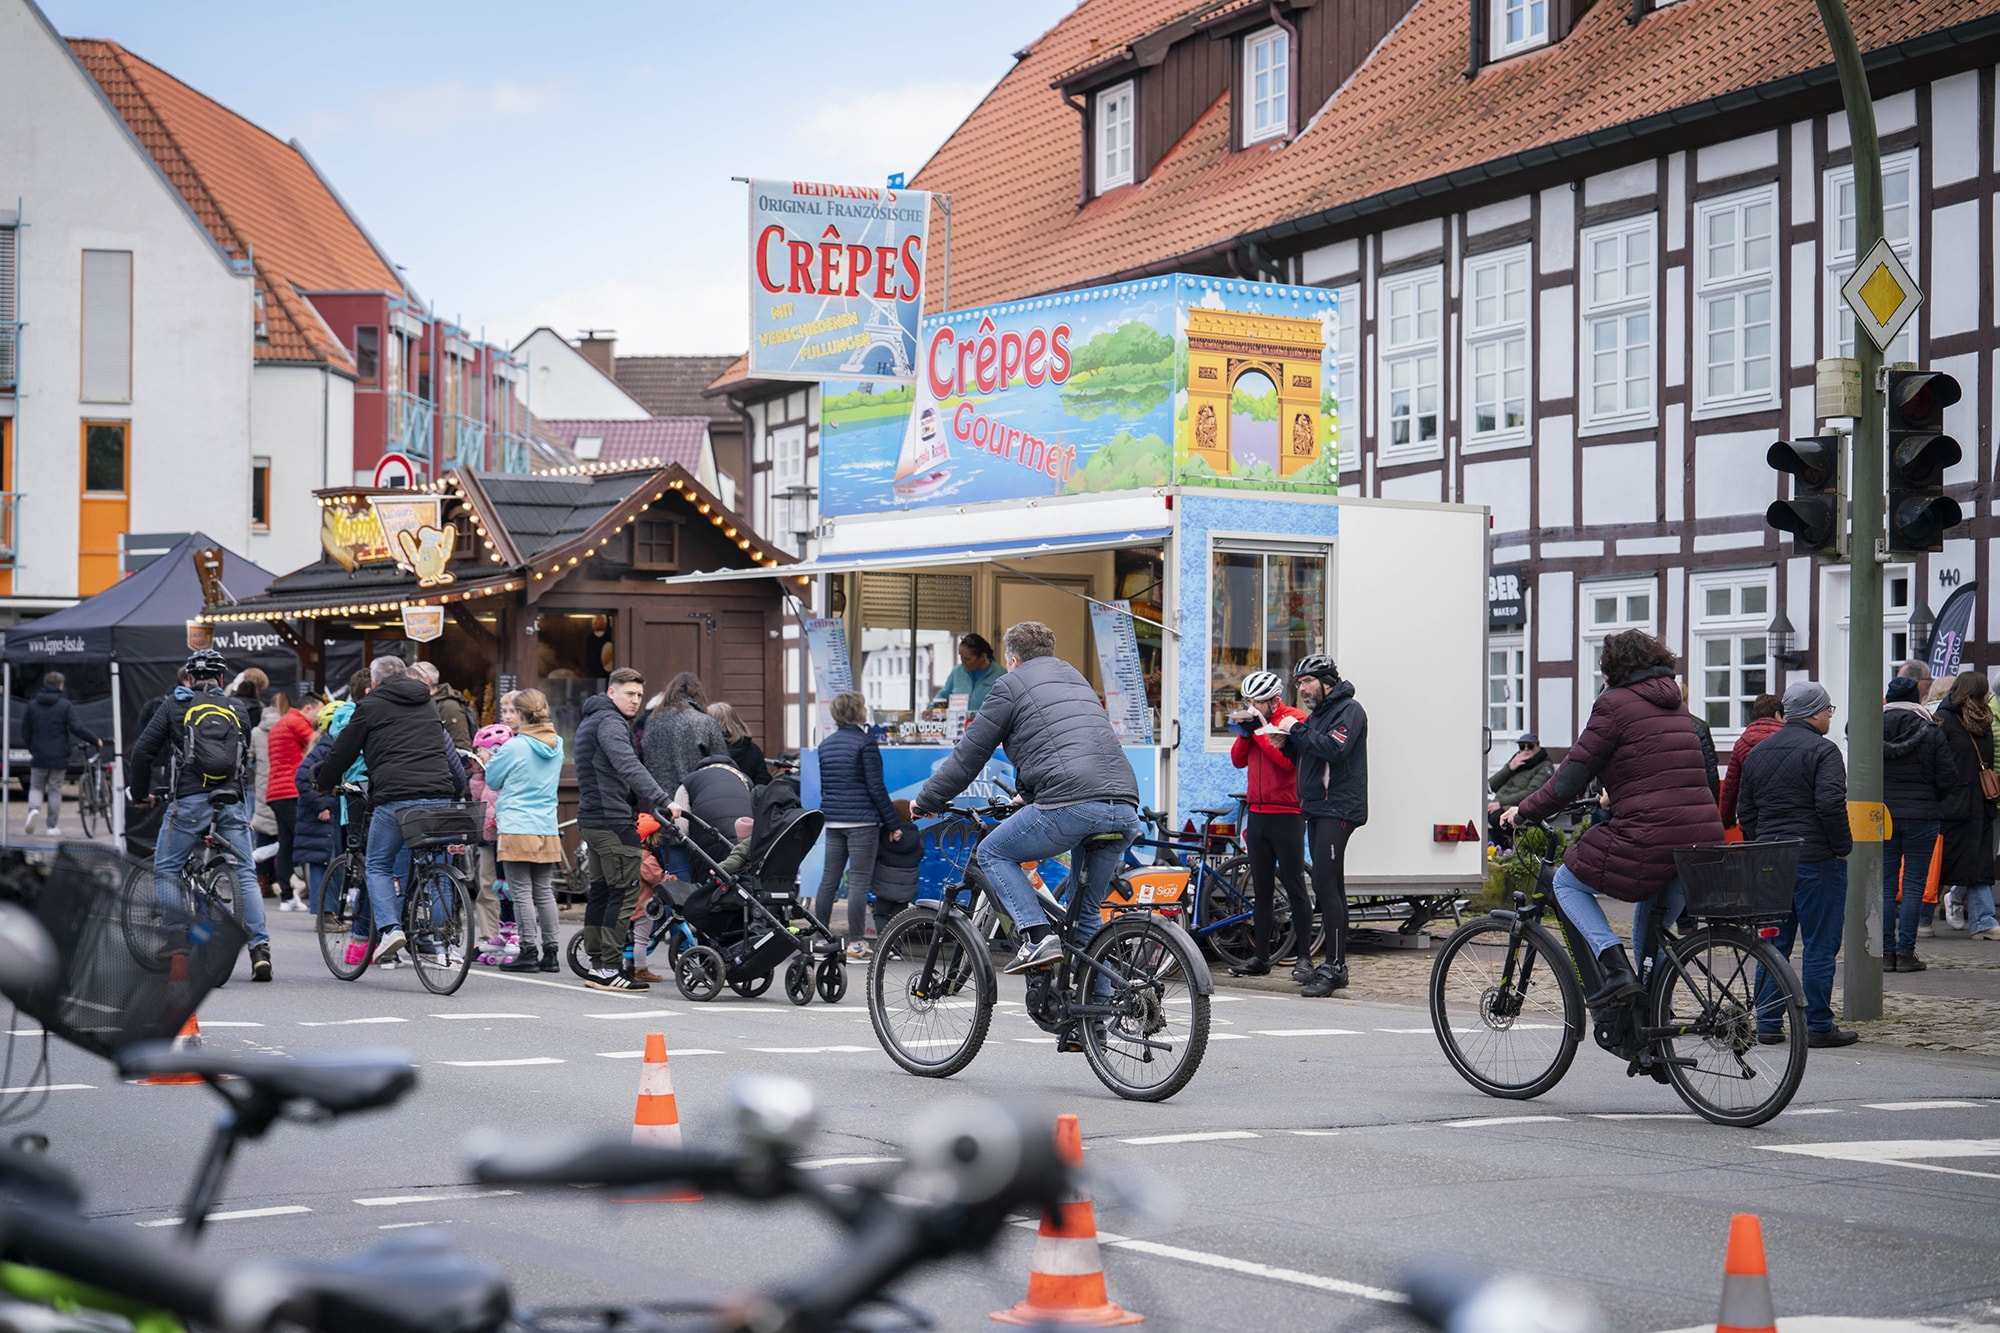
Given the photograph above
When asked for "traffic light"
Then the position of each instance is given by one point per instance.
(1919, 451)
(1813, 514)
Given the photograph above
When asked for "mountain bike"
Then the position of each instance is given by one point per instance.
(206, 891)
(437, 899)
(93, 791)
(1722, 1018)
(1134, 1000)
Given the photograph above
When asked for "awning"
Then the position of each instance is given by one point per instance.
(974, 554)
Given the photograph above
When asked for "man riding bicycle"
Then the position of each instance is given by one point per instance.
(412, 763)
(208, 738)
(1073, 779)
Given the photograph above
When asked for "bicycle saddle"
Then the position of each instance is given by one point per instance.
(416, 1283)
(1213, 811)
(335, 1082)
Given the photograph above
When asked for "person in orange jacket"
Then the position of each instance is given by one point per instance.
(1275, 832)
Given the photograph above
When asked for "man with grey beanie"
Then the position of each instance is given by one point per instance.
(1795, 786)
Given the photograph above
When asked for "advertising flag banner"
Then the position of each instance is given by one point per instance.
(1174, 380)
(1948, 634)
(836, 280)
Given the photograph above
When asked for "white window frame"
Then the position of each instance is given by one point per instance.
(1406, 352)
(1614, 311)
(1591, 634)
(1500, 333)
(1840, 257)
(1347, 372)
(1534, 16)
(1114, 109)
(1507, 717)
(1735, 290)
(1744, 630)
(787, 451)
(1278, 96)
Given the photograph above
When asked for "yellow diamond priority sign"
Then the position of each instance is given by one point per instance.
(1882, 294)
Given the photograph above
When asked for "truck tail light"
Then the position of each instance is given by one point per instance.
(1455, 833)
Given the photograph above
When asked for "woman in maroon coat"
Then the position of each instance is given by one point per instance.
(1641, 742)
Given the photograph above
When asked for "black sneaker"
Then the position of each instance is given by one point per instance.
(1892, 962)
(1256, 967)
(1303, 970)
(551, 958)
(528, 960)
(260, 963)
(1322, 983)
(1770, 1037)
(613, 981)
(1909, 962)
(1832, 1037)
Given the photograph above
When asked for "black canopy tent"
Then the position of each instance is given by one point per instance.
(128, 642)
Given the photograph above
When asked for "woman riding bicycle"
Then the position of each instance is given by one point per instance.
(1641, 742)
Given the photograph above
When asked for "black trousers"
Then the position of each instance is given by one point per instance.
(1327, 837)
(1277, 843)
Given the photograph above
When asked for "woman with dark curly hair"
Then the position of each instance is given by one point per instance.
(1641, 743)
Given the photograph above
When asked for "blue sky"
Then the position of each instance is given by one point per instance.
(570, 165)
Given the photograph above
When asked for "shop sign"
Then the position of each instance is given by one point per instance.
(422, 624)
(832, 667)
(1506, 598)
(836, 280)
(1174, 380)
(200, 636)
(350, 536)
(415, 535)
(1123, 674)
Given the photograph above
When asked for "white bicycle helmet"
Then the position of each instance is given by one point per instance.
(1261, 685)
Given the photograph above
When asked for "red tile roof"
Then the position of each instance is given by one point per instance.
(1408, 117)
(256, 194)
(668, 439)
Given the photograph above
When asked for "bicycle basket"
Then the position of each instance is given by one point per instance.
(435, 825)
(133, 969)
(1741, 881)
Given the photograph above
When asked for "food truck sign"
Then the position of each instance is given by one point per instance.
(1174, 380)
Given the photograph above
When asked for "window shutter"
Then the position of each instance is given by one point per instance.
(9, 336)
(107, 326)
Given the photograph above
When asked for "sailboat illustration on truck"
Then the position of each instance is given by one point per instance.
(925, 447)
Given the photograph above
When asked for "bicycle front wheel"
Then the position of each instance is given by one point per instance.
(1150, 1050)
(1508, 1012)
(344, 901)
(437, 921)
(89, 800)
(1726, 989)
(929, 999)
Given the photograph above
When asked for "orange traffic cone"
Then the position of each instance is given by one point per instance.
(656, 1122)
(1746, 1286)
(188, 1040)
(1066, 1276)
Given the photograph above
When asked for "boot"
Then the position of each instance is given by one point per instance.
(1620, 982)
(527, 960)
(1326, 979)
(1909, 962)
(551, 958)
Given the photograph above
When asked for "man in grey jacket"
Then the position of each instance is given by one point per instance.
(1795, 786)
(608, 778)
(1072, 776)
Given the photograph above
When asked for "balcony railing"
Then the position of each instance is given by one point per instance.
(468, 443)
(9, 502)
(413, 425)
(10, 357)
(515, 454)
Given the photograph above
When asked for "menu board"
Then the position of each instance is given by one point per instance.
(832, 668)
(1124, 676)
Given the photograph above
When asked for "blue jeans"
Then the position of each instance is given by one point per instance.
(385, 858)
(1911, 844)
(1979, 914)
(1580, 905)
(1033, 834)
(188, 817)
(1819, 913)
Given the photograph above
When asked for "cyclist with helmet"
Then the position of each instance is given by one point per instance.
(1330, 747)
(206, 735)
(1275, 832)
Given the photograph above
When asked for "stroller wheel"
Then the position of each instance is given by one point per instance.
(577, 956)
(698, 972)
(799, 981)
(751, 987)
(832, 979)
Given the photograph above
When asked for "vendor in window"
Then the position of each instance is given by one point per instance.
(973, 676)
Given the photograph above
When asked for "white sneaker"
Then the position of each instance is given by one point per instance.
(392, 944)
(287, 905)
(1954, 914)
(1990, 933)
(55, 832)
(34, 821)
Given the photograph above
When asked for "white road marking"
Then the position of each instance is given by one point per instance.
(810, 1050)
(1917, 1106)
(1292, 1276)
(224, 1023)
(1037, 1041)
(396, 1200)
(1502, 1120)
(640, 1013)
(1313, 1133)
(1425, 1031)
(821, 1163)
(1899, 1152)
(1814, 1110)
(50, 1087)
(536, 981)
(462, 1017)
(398, 1226)
(671, 1051)
(503, 1064)
(1204, 1137)
(1306, 1032)
(1224, 999)
(24, 1032)
(1642, 1115)
(1229, 1036)
(235, 1214)
(347, 1022)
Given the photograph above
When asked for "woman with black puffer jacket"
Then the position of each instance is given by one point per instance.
(1967, 724)
(857, 807)
(1919, 776)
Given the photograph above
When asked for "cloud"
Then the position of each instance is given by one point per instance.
(867, 135)
(433, 106)
(700, 308)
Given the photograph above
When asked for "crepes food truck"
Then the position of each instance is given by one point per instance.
(1152, 469)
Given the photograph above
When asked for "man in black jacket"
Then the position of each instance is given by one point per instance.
(199, 797)
(1795, 786)
(46, 730)
(1330, 749)
(1072, 775)
(609, 776)
(411, 763)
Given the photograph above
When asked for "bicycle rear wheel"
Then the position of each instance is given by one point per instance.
(1509, 1014)
(1711, 1003)
(1150, 1051)
(343, 899)
(437, 921)
(929, 999)
(89, 801)
(1225, 893)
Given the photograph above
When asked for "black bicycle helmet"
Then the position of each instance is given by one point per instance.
(206, 664)
(1316, 664)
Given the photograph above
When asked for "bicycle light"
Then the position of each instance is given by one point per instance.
(1455, 833)
(1767, 932)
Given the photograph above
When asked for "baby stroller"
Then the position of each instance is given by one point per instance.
(733, 922)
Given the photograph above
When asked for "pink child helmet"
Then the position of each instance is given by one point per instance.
(490, 737)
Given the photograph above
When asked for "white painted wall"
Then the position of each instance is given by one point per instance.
(302, 419)
(83, 184)
(560, 385)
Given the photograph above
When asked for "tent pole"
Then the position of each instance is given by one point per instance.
(7, 739)
(117, 760)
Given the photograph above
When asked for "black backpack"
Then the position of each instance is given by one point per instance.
(214, 742)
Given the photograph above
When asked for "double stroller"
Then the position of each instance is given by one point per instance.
(733, 922)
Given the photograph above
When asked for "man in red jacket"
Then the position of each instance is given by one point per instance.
(1275, 832)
